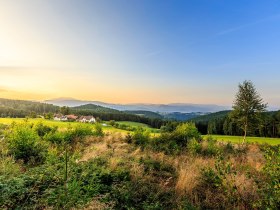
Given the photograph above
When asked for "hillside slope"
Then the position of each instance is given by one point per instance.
(95, 108)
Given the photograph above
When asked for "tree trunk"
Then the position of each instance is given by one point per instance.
(245, 131)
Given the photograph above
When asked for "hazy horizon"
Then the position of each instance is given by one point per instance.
(156, 52)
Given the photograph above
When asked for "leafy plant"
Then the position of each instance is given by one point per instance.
(24, 143)
(270, 188)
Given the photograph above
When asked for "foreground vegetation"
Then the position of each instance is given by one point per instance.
(43, 166)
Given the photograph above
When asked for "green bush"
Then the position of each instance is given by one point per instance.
(45, 187)
(141, 137)
(185, 132)
(176, 141)
(24, 143)
(194, 147)
(98, 130)
(43, 129)
(157, 168)
(81, 131)
(141, 194)
(9, 167)
(212, 148)
(55, 137)
(2, 129)
(270, 187)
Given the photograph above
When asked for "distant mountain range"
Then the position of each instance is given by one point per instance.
(158, 108)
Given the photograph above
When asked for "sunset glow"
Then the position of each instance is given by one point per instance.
(138, 51)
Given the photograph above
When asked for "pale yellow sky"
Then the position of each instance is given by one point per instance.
(93, 50)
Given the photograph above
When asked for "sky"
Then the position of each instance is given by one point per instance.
(139, 51)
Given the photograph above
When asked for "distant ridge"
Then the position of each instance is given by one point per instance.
(160, 108)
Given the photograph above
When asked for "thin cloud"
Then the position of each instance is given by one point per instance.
(238, 28)
(2, 90)
(15, 70)
(234, 29)
(153, 53)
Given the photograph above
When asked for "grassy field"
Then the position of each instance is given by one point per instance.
(108, 128)
(136, 125)
(60, 124)
(133, 124)
(238, 139)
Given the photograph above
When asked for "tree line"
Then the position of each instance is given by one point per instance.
(248, 117)
(268, 127)
(21, 108)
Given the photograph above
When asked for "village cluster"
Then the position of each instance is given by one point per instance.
(71, 117)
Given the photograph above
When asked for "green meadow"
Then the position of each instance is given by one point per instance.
(239, 139)
(61, 124)
(108, 128)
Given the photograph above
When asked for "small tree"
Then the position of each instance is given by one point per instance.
(65, 110)
(247, 107)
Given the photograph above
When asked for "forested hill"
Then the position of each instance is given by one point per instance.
(211, 116)
(21, 108)
(95, 108)
(148, 114)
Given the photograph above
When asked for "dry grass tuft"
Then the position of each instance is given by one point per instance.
(255, 157)
(246, 188)
(95, 204)
(188, 173)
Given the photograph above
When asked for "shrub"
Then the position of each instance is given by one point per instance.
(43, 129)
(78, 132)
(270, 187)
(140, 137)
(44, 187)
(141, 194)
(184, 133)
(8, 167)
(2, 128)
(176, 141)
(98, 130)
(112, 122)
(55, 137)
(24, 143)
(128, 138)
(229, 148)
(194, 147)
(212, 148)
(157, 168)
(81, 131)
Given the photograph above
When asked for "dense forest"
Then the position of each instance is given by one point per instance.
(21, 108)
(148, 114)
(221, 123)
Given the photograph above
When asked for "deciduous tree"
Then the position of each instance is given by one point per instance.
(247, 107)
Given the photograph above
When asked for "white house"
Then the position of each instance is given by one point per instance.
(57, 117)
(60, 117)
(88, 119)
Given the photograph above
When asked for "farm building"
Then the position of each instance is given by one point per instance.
(60, 117)
(89, 119)
(71, 117)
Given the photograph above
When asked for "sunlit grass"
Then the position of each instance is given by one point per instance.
(60, 124)
(239, 139)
